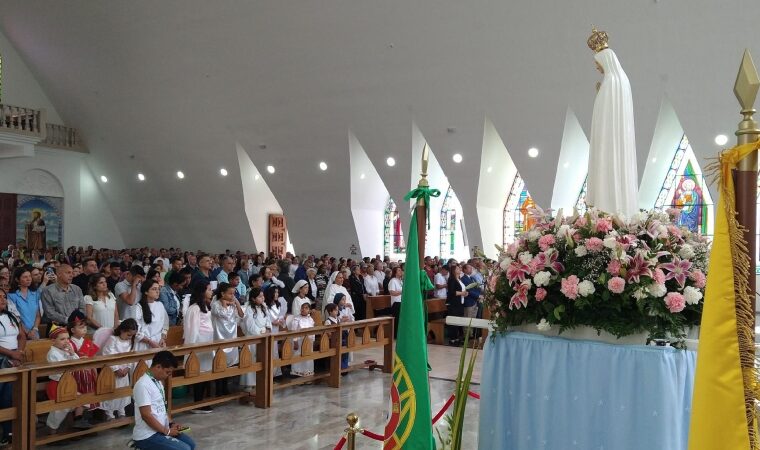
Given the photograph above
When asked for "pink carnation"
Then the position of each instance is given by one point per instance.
(699, 278)
(675, 302)
(540, 294)
(616, 285)
(546, 241)
(570, 287)
(594, 244)
(613, 268)
(604, 225)
(658, 276)
(580, 222)
(577, 237)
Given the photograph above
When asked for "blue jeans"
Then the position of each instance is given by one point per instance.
(161, 442)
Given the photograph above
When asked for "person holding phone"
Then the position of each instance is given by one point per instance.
(154, 429)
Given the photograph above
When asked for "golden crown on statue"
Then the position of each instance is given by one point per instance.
(598, 40)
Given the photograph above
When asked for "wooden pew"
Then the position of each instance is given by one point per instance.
(436, 318)
(376, 306)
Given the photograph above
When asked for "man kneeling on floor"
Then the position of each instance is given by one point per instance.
(153, 427)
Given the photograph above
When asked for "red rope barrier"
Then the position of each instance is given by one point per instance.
(372, 435)
(378, 437)
(445, 407)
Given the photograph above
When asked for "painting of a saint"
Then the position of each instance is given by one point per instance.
(34, 232)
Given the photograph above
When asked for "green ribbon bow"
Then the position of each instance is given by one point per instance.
(425, 193)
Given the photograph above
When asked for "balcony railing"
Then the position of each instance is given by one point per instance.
(26, 121)
(59, 136)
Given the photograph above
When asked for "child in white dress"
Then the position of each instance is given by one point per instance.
(122, 341)
(61, 350)
(151, 317)
(226, 312)
(256, 321)
(301, 322)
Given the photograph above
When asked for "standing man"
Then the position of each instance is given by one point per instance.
(204, 269)
(472, 300)
(115, 276)
(176, 265)
(89, 267)
(61, 298)
(128, 293)
(228, 265)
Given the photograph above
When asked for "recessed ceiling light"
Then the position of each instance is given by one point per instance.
(533, 152)
(654, 160)
(323, 165)
(103, 179)
(256, 177)
(223, 172)
(390, 161)
(489, 169)
(141, 177)
(270, 169)
(721, 139)
(180, 175)
(361, 177)
(457, 158)
(566, 165)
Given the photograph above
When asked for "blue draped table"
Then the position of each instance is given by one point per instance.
(550, 393)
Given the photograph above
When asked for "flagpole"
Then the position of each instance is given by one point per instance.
(420, 208)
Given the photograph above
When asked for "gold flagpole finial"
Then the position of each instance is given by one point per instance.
(747, 82)
(424, 173)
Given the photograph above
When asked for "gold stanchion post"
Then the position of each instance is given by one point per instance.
(353, 428)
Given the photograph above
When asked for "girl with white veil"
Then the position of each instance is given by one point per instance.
(612, 174)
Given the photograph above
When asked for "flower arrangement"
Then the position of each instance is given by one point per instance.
(622, 276)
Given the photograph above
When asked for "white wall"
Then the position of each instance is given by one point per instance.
(20, 88)
(368, 198)
(87, 217)
(572, 165)
(259, 203)
(667, 135)
(497, 172)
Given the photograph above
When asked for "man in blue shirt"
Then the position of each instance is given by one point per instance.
(473, 292)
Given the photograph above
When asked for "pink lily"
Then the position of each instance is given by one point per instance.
(516, 272)
(551, 261)
(638, 267)
(678, 270)
(520, 297)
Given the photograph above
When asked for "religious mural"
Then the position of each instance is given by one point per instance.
(393, 237)
(39, 222)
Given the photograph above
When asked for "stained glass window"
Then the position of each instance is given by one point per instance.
(580, 204)
(685, 189)
(393, 237)
(449, 213)
(517, 210)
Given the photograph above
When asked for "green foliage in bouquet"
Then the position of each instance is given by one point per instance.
(622, 276)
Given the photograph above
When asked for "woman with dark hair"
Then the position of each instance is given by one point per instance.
(276, 306)
(151, 317)
(358, 292)
(455, 294)
(395, 286)
(12, 343)
(100, 303)
(198, 328)
(25, 302)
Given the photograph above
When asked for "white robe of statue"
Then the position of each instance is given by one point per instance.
(612, 175)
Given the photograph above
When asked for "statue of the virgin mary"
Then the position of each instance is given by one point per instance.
(612, 175)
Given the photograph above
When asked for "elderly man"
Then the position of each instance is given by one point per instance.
(228, 265)
(61, 298)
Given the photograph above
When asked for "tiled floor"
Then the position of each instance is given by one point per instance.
(309, 417)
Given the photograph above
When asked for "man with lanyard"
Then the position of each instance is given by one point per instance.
(153, 427)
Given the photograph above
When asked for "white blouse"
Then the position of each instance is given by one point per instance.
(158, 326)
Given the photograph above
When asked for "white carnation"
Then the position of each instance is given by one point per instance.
(657, 290)
(581, 251)
(533, 235)
(526, 257)
(542, 278)
(544, 325)
(610, 242)
(692, 295)
(586, 288)
(504, 264)
(686, 252)
(640, 294)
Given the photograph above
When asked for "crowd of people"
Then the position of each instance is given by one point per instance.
(127, 300)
